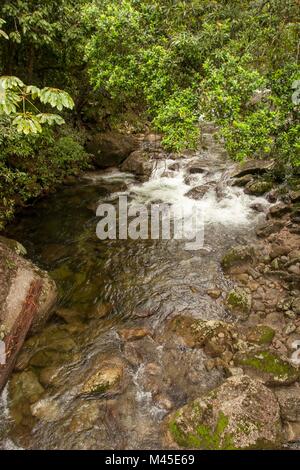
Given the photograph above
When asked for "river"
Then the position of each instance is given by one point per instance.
(111, 285)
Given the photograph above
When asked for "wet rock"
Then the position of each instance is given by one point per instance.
(25, 385)
(46, 410)
(268, 228)
(240, 414)
(164, 402)
(269, 366)
(257, 207)
(242, 181)
(239, 302)
(258, 188)
(252, 167)
(139, 163)
(69, 315)
(111, 148)
(24, 389)
(49, 357)
(133, 334)
(198, 192)
(196, 168)
(279, 210)
(85, 416)
(50, 376)
(100, 310)
(104, 380)
(237, 256)
(289, 402)
(197, 333)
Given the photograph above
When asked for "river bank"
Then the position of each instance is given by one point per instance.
(149, 343)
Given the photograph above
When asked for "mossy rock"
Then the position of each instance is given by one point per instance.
(268, 365)
(236, 256)
(238, 302)
(196, 333)
(53, 346)
(240, 414)
(106, 379)
(24, 390)
(260, 334)
(258, 188)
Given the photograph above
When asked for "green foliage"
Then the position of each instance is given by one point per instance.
(33, 165)
(180, 60)
(177, 120)
(14, 94)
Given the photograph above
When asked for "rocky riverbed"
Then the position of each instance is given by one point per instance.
(153, 346)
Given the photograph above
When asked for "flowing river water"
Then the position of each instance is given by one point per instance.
(111, 285)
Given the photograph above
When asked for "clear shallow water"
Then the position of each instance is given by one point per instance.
(140, 283)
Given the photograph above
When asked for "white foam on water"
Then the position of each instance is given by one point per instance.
(232, 208)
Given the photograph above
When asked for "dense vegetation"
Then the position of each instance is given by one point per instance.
(160, 63)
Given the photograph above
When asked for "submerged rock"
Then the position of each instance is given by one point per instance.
(237, 256)
(46, 410)
(240, 414)
(106, 379)
(133, 334)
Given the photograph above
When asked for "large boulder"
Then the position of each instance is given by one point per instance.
(27, 295)
(252, 167)
(111, 148)
(240, 414)
(139, 163)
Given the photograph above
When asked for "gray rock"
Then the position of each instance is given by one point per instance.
(240, 414)
(279, 210)
(198, 192)
(111, 148)
(252, 167)
(289, 402)
(139, 163)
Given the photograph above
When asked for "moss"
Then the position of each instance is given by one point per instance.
(237, 255)
(204, 437)
(261, 334)
(280, 371)
(259, 188)
(238, 301)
